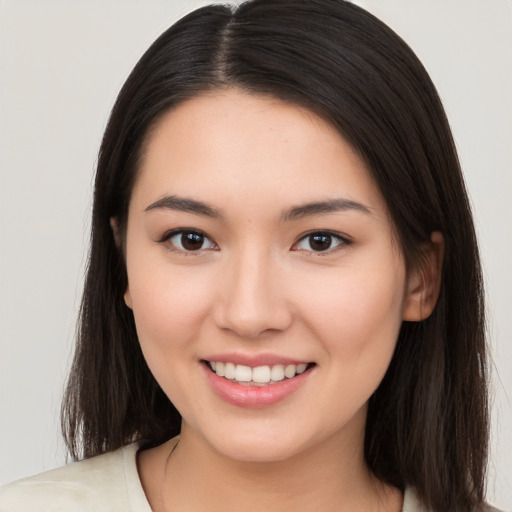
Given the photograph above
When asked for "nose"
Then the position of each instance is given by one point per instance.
(252, 299)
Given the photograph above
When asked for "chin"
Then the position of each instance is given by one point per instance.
(258, 448)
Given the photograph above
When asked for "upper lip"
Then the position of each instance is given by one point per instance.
(254, 360)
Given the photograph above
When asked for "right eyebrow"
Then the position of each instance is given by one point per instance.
(184, 204)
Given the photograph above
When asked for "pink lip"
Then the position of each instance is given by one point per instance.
(254, 360)
(253, 396)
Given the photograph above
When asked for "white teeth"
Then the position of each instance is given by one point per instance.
(261, 374)
(229, 371)
(289, 371)
(243, 373)
(258, 375)
(219, 369)
(301, 368)
(277, 372)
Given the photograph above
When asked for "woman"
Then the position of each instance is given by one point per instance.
(283, 306)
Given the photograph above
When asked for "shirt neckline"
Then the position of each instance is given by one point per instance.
(139, 503)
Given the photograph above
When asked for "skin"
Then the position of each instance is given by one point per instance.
(257, 287)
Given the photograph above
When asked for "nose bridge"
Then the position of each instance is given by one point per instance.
(253, 300)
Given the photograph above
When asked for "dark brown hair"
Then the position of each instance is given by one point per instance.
(427, 422)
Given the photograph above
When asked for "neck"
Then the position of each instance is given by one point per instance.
(330, 476)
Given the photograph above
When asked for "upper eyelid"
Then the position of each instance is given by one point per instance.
(171, 232)
(336, 234)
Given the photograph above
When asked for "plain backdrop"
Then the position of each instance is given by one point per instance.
(62, 64)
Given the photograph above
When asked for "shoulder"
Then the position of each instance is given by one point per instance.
(490, 508)
(98, 483)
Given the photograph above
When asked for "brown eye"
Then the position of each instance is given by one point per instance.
(320, 241)
(192, 241)
(189, 240)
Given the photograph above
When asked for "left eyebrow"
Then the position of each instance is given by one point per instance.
(321, 207)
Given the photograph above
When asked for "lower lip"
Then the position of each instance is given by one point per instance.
(254, 396)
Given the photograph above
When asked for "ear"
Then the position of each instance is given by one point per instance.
(424, 282)
(114, 225)
(128, 297)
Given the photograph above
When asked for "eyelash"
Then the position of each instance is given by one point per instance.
(169, 235)
(342, 241)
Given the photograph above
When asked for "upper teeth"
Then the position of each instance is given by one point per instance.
(257, 375)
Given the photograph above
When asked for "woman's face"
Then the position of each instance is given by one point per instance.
(258, 245)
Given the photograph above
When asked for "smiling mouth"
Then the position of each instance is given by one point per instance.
(259, 375)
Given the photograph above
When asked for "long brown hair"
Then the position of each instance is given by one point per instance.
(427, 422)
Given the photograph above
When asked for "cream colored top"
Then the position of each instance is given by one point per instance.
(106, 483)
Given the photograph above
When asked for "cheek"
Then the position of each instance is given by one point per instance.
(357, 321)
(169, 313)
(357, 314)
(169, 310)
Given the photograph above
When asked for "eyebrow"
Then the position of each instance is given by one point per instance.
(184, 204)
(321, 207)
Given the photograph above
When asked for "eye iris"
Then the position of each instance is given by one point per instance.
(320, 242)
(192, 241)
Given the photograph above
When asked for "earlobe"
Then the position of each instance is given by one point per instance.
(424, 282)
(128, 298)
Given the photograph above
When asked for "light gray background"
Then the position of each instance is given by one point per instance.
(61, 66)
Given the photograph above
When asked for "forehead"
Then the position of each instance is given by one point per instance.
(234, 145)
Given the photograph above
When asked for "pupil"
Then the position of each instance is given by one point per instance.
(192, 241)
(320, 242)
